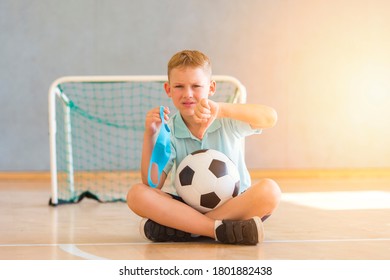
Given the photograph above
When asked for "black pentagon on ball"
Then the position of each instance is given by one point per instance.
(209, 200)
(186, 175)
(218, 168)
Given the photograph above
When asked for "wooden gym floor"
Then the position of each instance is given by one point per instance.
(331, 219)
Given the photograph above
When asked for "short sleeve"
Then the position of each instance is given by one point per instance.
(242, 129)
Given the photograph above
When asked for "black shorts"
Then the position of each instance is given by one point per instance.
(176, 197)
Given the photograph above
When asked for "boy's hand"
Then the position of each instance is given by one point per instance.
(153, 120)
(206, 111)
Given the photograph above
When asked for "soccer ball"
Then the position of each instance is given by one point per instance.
(206, 179)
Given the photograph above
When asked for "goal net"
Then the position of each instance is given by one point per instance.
(96, 131)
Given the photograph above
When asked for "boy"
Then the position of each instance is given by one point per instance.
(201, 123)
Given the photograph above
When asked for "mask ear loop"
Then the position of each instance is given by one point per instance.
(161, 151)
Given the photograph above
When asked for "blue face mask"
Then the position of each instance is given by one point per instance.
(161, 151)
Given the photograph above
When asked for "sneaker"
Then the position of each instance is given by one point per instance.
(158, 233)
(248, 232)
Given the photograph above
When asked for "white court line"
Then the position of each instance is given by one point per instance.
(186, 243)
(327, 240)
(73, 250)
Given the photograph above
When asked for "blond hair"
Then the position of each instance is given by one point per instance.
(190, 58)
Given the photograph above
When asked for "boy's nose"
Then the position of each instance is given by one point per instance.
(188, 92)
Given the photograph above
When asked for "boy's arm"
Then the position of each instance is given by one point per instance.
(256, 115)
(152, 124)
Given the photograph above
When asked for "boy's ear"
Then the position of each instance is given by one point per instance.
(167, 88)
(213, 86)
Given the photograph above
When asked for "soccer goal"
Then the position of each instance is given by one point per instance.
(96, 131)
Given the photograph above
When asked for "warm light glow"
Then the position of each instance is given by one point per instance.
(356, 200)
(331, 63)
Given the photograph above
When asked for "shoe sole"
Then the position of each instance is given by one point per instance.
(260, 229)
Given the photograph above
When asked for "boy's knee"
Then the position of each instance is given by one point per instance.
(269, 190)
(133, 195)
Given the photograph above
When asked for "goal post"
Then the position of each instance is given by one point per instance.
(96, 126)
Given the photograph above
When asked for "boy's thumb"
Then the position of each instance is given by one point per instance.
(205, 103)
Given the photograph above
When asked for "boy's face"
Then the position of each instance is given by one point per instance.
(187, 86)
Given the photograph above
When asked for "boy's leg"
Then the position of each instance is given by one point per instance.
(261, 199)
(160, 207)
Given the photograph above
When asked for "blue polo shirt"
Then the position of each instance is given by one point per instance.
(224, 135)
